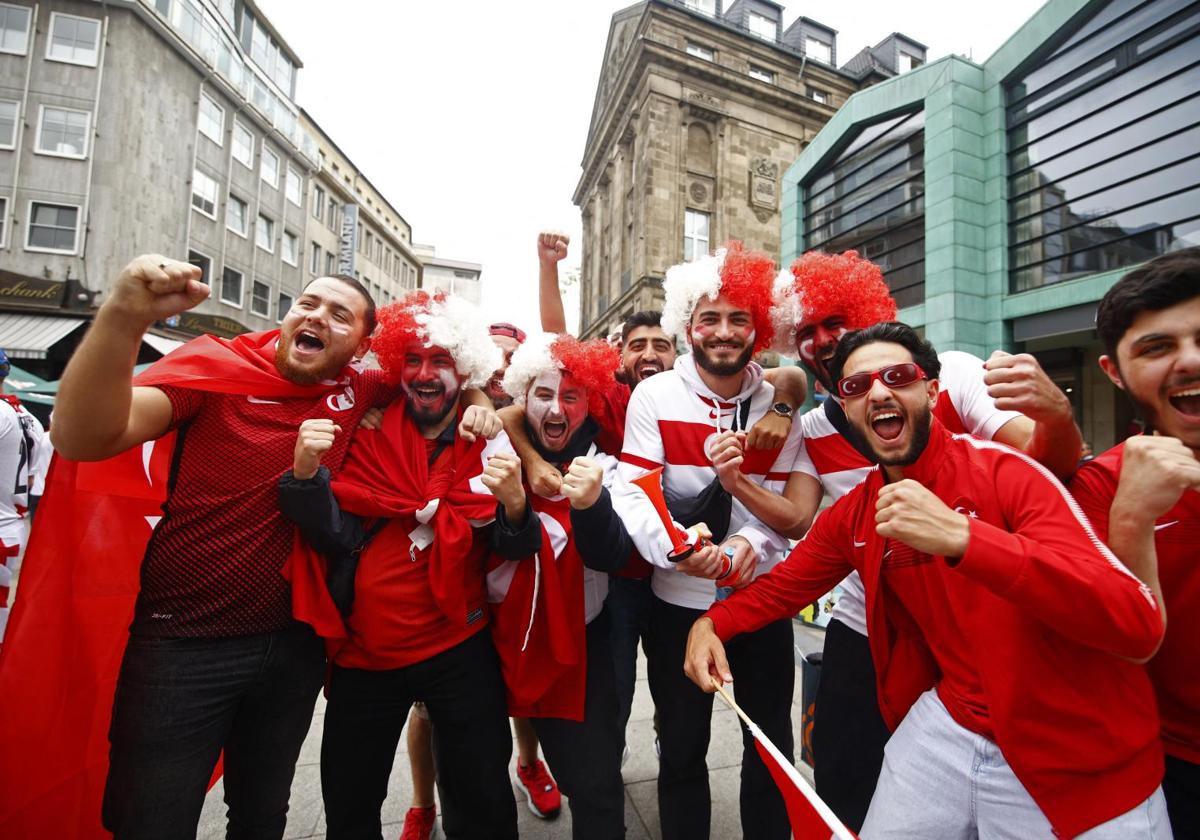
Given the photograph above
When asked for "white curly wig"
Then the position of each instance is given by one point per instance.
(529, 361)
(787, 311)
(685, 286)
(439, 320)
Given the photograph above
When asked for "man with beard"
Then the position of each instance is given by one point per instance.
(1012, 402)
(721, 303)
(408, 524)
(1142, 497)
(1002, 628)
(551, 625)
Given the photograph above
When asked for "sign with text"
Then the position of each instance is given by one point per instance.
(20, 290)
(348, 245)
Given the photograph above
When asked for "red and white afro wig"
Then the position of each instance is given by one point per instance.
(593, 363)
(437, 320)
(821, 285)
(742, 277)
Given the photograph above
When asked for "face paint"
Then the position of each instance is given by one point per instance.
(555, 408)
(430, 383)
(815, 343)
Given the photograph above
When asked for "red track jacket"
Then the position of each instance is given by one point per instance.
(1044, 608)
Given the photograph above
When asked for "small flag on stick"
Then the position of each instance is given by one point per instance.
(810, 817)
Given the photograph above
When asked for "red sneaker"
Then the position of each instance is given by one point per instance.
(540, 790)
(419, 823)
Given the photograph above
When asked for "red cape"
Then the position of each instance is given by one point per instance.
(386, 474)
(80, 578)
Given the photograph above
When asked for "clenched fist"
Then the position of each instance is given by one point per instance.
(909, 512)
(1155, 472)
(727, 453)
(1018, 383)
(479, 422)
(315, 439)
(154, 287)
(502, 475)
(582, 483)
(552, 246)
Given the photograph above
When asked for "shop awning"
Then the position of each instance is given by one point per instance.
(161, 343)
(30, 336)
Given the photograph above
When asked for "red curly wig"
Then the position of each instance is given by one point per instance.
(842, 284)
(746, 281)
(398, 327)
(592, 362)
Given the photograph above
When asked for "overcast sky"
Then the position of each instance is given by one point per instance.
(471, 116)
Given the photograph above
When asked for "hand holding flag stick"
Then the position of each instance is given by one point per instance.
(810, 817)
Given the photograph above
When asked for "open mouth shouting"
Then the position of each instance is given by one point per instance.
(887, 423)
(1186, 401)
(554, 432)
(645, 370)
(427, 394)
(307, 343)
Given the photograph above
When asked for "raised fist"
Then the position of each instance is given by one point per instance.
(582, 483)
(315, 439)
(154, 287)
(908, 511)
(1155, 473)
(479, 422)
(502, 476)
(552, 246)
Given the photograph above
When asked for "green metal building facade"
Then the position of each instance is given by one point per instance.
(1003, 199)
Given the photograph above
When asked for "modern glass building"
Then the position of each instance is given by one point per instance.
(1002, 200)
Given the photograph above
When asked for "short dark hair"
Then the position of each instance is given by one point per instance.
(892, 332)
(356, 284)
(644, 318)
(1159, 284)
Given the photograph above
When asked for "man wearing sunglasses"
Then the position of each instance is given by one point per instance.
(1007, 638)
(1011, 401)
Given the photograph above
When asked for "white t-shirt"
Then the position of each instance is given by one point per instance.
(963, 406)
(21, 437)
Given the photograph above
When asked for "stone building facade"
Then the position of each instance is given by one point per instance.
(699, 109)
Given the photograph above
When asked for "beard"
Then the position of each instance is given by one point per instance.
(428, 415)
(706, 362)
(921, 424)
(303, 375)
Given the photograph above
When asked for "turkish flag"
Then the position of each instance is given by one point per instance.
(69, 624)
(810, 817)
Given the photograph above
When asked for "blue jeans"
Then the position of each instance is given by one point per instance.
(180, 701)
(628, 607)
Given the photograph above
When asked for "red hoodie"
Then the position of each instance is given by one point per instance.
(1040, 607)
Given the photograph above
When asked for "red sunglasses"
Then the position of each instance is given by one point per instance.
(893, 376)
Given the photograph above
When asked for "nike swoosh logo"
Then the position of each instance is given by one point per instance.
(1166, 525)
(259, 401)
(858, 544)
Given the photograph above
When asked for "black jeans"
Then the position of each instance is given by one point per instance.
(1181, 786)
(764, 673)
(848, 730)
(464, 693)
(628, 608)
(585, 756)
(179, 702)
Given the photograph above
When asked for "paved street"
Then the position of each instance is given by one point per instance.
(307, 819)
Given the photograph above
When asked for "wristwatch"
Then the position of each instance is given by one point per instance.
(782, 409)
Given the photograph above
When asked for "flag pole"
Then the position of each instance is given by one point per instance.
(838, 830)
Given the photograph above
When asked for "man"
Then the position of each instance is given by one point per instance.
(410, 517)
(1142, 497)
(720, 304)
(1009, 399)
(215, 661)
(508, 338)
(1002, 629)
(551, 622)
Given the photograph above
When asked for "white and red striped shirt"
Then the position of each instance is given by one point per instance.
(963, 406)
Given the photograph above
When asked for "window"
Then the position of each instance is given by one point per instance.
(212, 119)
(3, 221)
(204, 193)
(269, 167)
(243, 145)
(75, 40)
(331, 216)
(818, 96)
(699, 51)
(331, 265)
(52, 227)
(231, 287)
(705, 7)
(14, 29)
(695, 235)
(762, 26)
(203, 263)
(818, 50)
(63, 132)
(235, 215)
(318, 204)
(908, 62)
(264, 234)
(260, 299)
(292, 186)
(8, 121)
(314, 259)
(291, 248)
(762, 75)
(871, 199)
(283, 305)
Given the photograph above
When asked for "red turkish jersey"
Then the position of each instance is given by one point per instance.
(212, 567)
(1173, 669)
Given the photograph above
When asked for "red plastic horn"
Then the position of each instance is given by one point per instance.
(651, 484)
